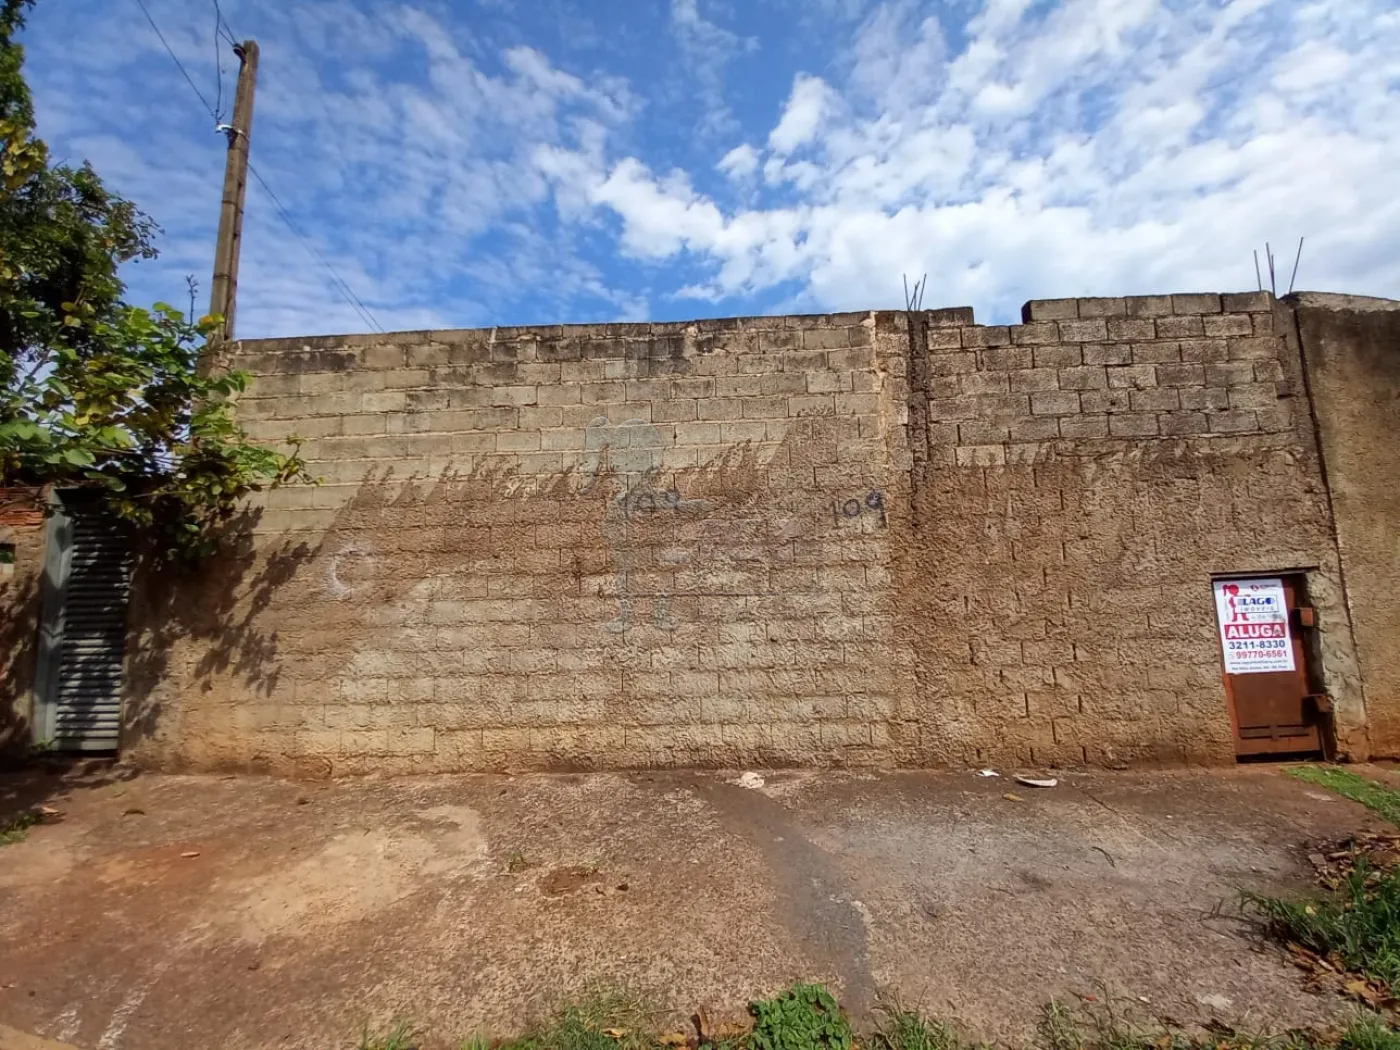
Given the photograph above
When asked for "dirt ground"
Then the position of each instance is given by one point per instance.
(165, 912)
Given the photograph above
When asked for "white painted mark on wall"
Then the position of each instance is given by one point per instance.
(348, 570)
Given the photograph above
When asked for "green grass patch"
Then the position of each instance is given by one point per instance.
(1359, 924)
(902, 1029)
(400, 1035)
(805, 1017)
(1379, 799)
(17, 827)
(808, 1017)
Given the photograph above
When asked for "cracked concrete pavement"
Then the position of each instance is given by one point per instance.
(199, 911)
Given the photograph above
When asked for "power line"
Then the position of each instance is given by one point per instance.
(337, 282)
(176, 59)
(218, 69)
(221, 21)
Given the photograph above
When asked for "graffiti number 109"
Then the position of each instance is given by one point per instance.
(851, 509)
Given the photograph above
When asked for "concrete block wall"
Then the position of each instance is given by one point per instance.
(563, 547)
(872, 538)
(1087, 472)
(22, 533)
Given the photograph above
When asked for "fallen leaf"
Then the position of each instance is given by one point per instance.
(1012, 798)
(674, 1039)
(615, 1033)
(188, 854)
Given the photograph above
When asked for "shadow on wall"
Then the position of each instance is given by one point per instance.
(258, 615)
(19, 636)
(215, 606)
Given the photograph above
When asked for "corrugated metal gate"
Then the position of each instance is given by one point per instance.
(87, 581)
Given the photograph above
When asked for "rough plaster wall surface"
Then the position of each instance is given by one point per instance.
(1086, 473)
(1351, 346)
(21, 525)
(622, 545)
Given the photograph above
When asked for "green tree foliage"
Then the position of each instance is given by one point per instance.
(94, 392)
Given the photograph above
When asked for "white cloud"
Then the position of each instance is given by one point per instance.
(1009, 148)
(802, 117)
(740, 162)
(709, 49)
(1102, 147)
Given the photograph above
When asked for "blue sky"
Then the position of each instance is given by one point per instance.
(480, 162)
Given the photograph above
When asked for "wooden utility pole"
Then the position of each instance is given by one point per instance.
(223, 298)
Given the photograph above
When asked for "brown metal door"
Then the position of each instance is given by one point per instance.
(1274, 711)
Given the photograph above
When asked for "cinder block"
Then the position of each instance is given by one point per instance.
(764, 408)
(514, 395)
(981, 456)
(811, 405)
(1247, 302)
(1233, 373)
(1055, 403)
(1108, 354)
(1083, 377)
(428, 355)
(1182, 424)
(1180, 375)
(1131, 329)
(826, 338)
(1160, 400)
(1104, 401)
(1084, 426)
(1003, 407)
(1254, 395)
(601, 393)
(1132, 424)
(1205, 399)
(1253, 348)
(1156, 353)
(1237, 421)
(736, 433)
(697, 434)
(952, 409)
(1102, 307)
(1186, 327)
(1276, 418)
(1044, 429)
(1204, 351)
(1206, 303)
(1228, 324)
(1002, 359)
(518, 441)
(1091, 331)
(1058, 356)
(1039, 333)
(1050, 310)
(981, 432)
(1132, 377)
(985, 383)
(1149, 305)
(986, 336)
(952, 364)
(696, 388)
(857, 404)
(1025, 381)
(939, 339)
(673, 411)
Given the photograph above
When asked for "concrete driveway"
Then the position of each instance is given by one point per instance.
(184, 911)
